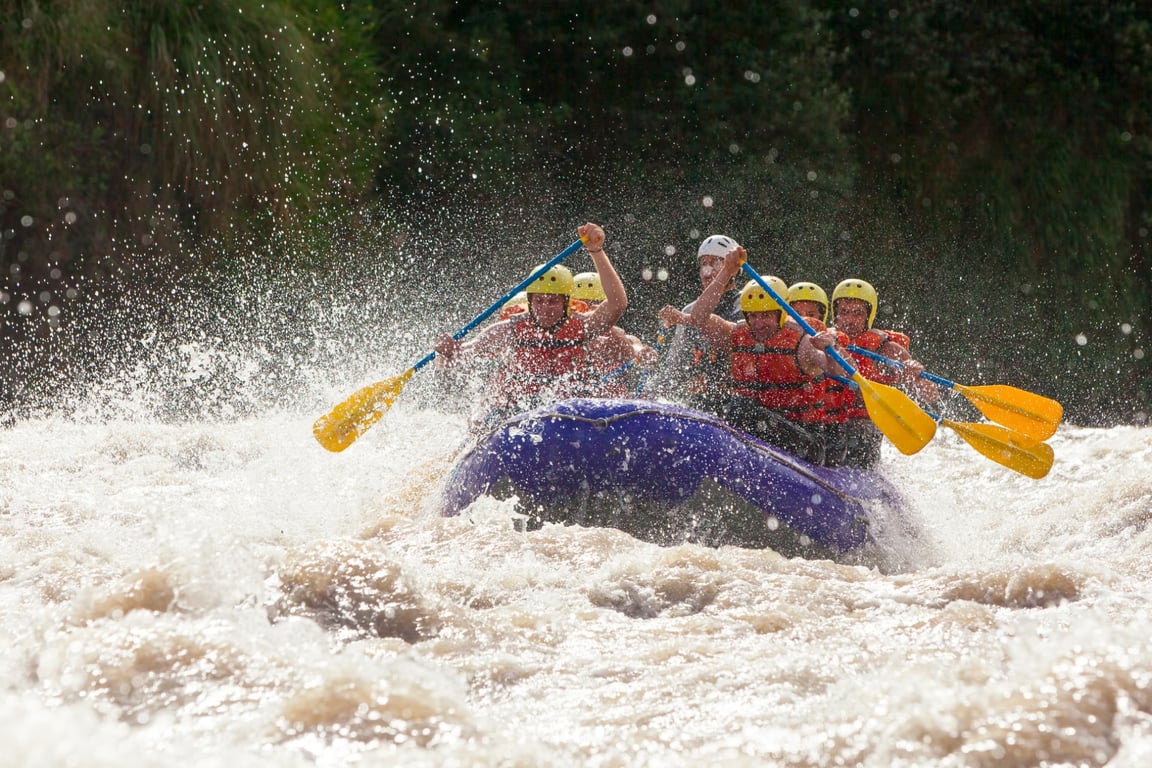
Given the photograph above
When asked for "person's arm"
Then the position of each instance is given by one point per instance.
(812, 358)
(910, 373)
(898, 352)
(671, 316)
(894, 351)
(615, 296)
(490, 342)
(644, 355)
(716, 329)
(616, 347)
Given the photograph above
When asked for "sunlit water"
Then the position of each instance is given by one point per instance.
(228, 593)
(188, 578)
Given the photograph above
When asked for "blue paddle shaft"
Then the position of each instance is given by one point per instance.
(897, 364)
(503, 300)
(846, 382)
(847, 366)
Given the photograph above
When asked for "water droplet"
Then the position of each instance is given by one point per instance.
(707, 201)
(1081, 339)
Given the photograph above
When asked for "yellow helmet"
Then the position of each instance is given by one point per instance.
(755, 299)
(777, 284)
(809, 292)
(586, 286)
(854, 288)
(557, 281)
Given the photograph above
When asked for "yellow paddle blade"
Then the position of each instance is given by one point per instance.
(341, 426)
(1004, 446)
(1017, 409)
(896, 415)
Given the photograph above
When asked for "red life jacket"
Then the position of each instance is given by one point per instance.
(770, 374)
(552, 359)
(833, 399)
(871, 340)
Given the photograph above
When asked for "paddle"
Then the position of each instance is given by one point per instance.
(341, 426)
(894, 413)
(1004, 446)
(1018, 409)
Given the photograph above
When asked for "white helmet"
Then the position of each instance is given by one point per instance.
(716, 245)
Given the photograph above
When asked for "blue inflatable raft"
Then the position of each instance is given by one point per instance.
(670, 475)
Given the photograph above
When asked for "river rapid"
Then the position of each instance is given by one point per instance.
(188, 578)
(225, 592)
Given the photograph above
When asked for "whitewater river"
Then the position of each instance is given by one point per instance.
(225, 592)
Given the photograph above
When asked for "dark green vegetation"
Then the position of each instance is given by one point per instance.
(987, 165)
